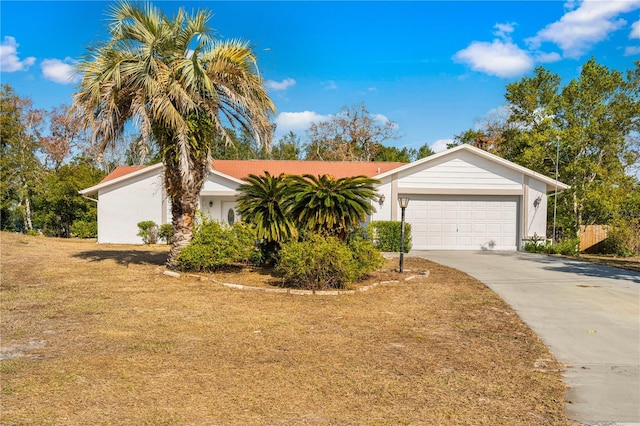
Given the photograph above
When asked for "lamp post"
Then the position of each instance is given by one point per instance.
(404, 202)
(555, 195)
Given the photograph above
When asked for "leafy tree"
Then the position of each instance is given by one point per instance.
(424, 151)
(288, 147)
(391, 153)
(59, 205)
(20, 169)
(354, 134)
(181, 85)
(334, 206)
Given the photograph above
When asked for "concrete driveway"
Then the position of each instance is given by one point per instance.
(587, 315)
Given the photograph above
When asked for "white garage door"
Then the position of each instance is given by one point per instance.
(463, 222)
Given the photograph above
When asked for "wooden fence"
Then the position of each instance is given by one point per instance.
(592, 238)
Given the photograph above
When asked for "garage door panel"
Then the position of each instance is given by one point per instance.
(463, 222)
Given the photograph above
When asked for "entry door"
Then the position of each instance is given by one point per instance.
(463, 222)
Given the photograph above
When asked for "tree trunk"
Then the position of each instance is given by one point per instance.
(184, 204)
(28, 224)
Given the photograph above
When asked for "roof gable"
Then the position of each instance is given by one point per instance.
(451, 153)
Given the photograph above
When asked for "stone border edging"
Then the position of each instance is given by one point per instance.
(292, 290)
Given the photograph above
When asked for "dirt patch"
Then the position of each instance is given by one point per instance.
(124, 344)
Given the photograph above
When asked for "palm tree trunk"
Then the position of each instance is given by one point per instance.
(184, 204)
(183, 211)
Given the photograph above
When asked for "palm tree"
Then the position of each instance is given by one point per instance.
(265, 203)
(181, 86)
(337, 206)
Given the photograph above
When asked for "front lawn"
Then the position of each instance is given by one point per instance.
(96, 334)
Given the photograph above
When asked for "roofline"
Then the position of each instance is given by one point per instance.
(549, 181)
(94, 189)
(101, 185)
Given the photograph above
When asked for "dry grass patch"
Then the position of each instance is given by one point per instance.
(94, 334)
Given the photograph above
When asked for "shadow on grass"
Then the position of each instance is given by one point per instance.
(124, 257)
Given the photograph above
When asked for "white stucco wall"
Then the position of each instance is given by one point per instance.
(384, 212)
(121, 206)
(536, 216)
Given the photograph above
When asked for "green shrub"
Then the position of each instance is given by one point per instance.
(84, 229)
(316, 263)
(148, 230)
(366, 256)
(320, 262)
(215, 245)
(623, 238)
(386, 235)
(567, 247)
(536, 244)
(165, 233)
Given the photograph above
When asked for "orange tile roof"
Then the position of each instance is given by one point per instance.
(121, 171)
(241, 169)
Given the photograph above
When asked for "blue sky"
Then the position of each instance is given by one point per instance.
(435, 68)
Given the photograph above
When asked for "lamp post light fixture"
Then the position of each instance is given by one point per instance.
(404, 202)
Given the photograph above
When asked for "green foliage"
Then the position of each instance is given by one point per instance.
(367, 257)
(321, 262)
(336, 206)
(165, 233)
(623, 238)
(59, 205)
(566, 247)
(265, 202)
(215, 245)
(386, 235)
(84, 229)
(148, 230)
(20, 168)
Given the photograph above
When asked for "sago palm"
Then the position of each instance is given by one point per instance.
(180, 86)
(336, 206)
(264, 202)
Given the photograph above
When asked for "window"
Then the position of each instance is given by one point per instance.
(231, 217)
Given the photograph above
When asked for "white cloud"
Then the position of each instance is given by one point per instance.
(59, 71)
(581, 28)
(9, 60)
(504, 30)
(543, 57)
(383, 120)
(441, 145)
(499, 58)
(297, 121)
(330, 85)
(635, 30)
(632, 51)
(280, 85)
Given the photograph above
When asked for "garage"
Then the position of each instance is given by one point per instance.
(463, 222)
